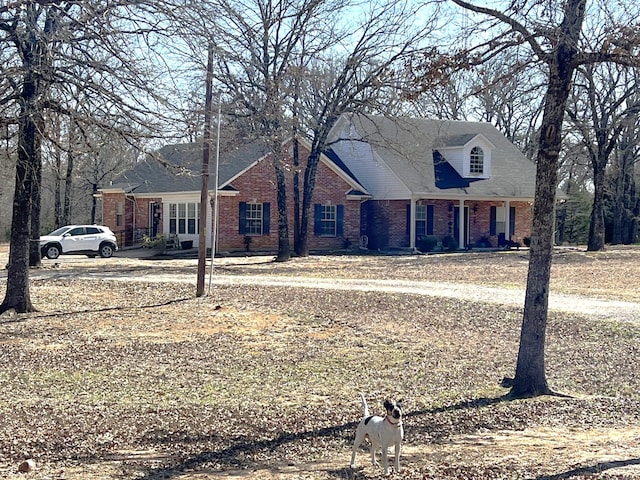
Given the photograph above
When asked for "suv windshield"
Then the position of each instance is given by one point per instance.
(59, 231)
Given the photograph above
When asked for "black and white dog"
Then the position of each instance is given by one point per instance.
(382, 432)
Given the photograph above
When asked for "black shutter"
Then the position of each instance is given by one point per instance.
(430, 220)
(492, 222)
(266, 218)
(242, 218)
(512, 221)
(317, 217)
(339, 220)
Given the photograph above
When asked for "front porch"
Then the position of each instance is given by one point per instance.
(455, 224)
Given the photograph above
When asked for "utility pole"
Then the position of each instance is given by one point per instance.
(204, 192)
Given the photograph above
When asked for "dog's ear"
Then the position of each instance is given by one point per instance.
(399, 403)
(388, 404)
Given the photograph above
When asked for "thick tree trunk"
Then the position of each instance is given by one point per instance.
(35, 259)
(296, 197)
(307, 197)
(596, 227)
(18, 295)
(530, 379)
(284, 247)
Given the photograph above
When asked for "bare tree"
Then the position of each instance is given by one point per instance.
(74, 58)
(625, 194)
(553, 34)
(604, 104)
(291, 68)
(363, 80)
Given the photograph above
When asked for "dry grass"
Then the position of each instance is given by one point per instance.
(119, 380)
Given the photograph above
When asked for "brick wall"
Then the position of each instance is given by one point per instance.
(387, 221)
(258, 185)
(135, 216)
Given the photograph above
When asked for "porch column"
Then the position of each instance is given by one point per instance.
(507, 221)
(412, 223)
(461, 225)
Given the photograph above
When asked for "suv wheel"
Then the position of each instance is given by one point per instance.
(52, 251)
(106, 250)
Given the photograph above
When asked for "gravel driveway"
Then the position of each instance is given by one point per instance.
(184, 271)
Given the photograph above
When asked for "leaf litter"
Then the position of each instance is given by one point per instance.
(117, 379)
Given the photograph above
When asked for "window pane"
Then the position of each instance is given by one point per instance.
(476, 160)
(328, 220)
(191, 225)
(254, 219)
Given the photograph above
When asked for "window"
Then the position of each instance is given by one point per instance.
(498, 223)
(476, 161)
(328, 220)
(424, 220)
(254, 218)
(184, 218)
(119, 214)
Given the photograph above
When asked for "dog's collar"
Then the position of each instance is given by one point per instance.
(395, 424)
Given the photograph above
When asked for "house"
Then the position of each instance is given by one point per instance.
(449, 179)
(384, 183)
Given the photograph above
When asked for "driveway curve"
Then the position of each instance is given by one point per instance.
(601, 309)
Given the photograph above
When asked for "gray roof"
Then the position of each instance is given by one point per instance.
(409, 146)
(177, 168)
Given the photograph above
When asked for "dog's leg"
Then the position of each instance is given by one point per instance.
(360, 435)
(385, 459)
(374, 448)
(397, 462)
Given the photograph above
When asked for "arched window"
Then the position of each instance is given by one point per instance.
(476, 160)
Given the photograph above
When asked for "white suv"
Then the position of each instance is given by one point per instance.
(90, 240)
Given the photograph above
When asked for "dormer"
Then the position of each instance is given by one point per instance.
(469, 154)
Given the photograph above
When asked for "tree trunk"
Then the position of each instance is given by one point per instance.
(35, 260)
(619, 201)
(57, 206)
(284, 248)
(296, 197)
(307, 196)
(17, 295)
(94, 203)
(596, 228)
(68, 187)
(530, 379)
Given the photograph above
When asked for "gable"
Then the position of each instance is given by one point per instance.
(402, 152)
(469, 154)
(178, 168)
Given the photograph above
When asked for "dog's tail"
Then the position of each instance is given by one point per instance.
(365, 407)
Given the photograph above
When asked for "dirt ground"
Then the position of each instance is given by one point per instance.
(119, 379)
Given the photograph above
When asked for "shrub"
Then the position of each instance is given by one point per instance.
(449, 243)
(427, 243)
(483, 242)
